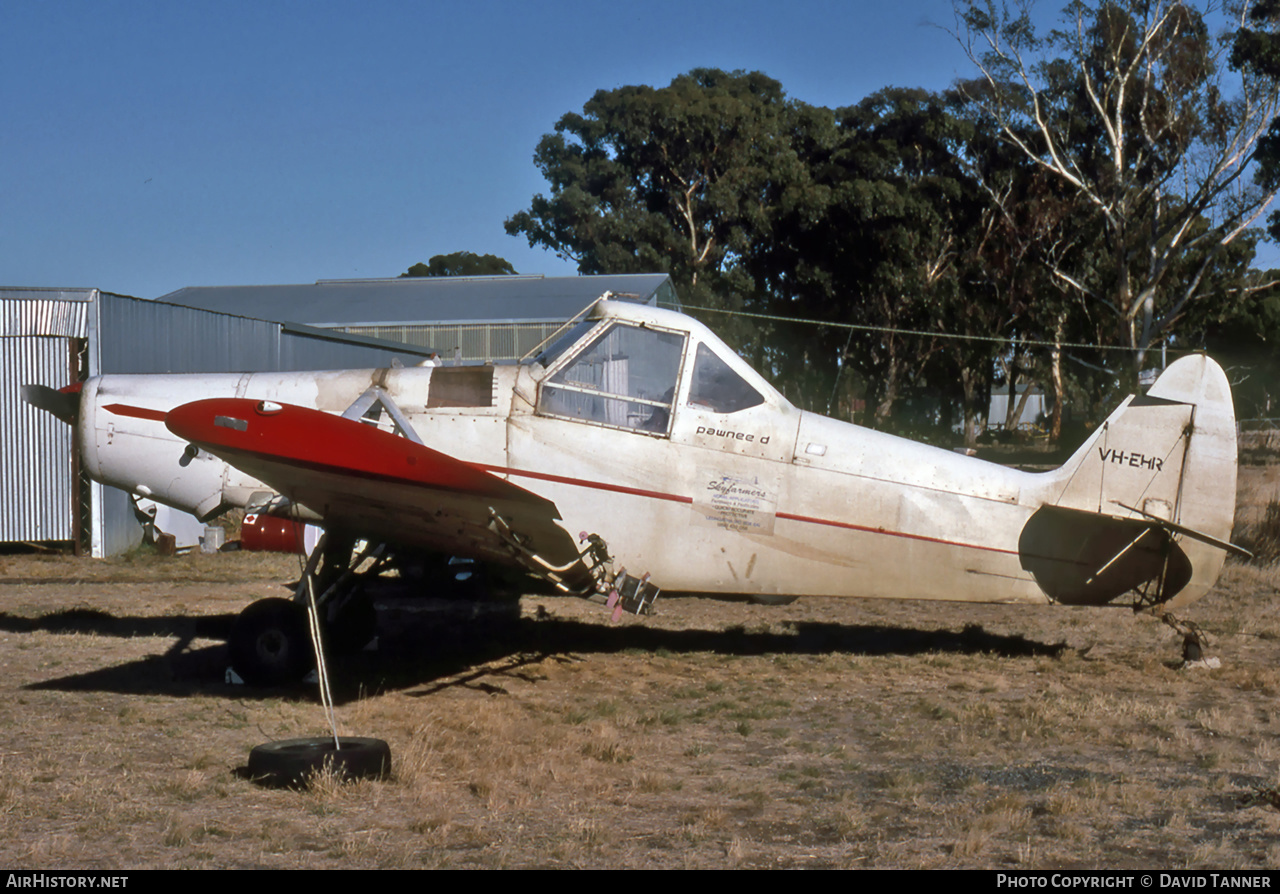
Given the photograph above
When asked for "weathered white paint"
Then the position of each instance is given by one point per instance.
(767, 499)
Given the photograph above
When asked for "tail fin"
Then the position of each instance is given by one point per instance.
(1166, 456)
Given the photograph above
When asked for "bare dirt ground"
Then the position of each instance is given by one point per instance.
(828, 733)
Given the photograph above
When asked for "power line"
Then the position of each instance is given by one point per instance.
(995, 339)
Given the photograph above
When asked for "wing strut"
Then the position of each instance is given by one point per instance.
(369, 407)
(352, 478)
(592, 569)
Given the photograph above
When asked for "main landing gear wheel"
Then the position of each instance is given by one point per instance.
(295, 763)
(270, 644)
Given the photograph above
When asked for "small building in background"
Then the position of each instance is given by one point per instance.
(1035, 406)
(482, 319)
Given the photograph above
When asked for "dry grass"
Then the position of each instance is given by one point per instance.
(1257, 526)
(823, 734)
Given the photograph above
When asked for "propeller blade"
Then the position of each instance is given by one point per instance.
(65, 403)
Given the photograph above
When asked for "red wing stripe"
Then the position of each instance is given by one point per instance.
(296, 445)
(594, 485)
(135, 412)
(869, 530)
(676, 498)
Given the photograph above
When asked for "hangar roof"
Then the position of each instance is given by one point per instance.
(425, 299)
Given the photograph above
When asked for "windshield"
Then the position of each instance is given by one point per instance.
(626, 378)
(563, 342)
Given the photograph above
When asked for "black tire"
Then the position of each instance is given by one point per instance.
(772, 599)
(270, 644)
(293, 763)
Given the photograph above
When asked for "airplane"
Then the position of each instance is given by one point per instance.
(635, 452)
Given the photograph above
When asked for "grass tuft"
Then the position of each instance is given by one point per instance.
(1261, 536)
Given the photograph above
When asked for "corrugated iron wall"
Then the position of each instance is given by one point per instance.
(137, 336)
(51, 337)
(44, 316)
(484, 342)
(36, 472)
(145, 337)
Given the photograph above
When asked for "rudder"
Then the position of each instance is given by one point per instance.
(1169, 454)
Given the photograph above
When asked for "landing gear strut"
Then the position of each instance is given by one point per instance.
(269, 642)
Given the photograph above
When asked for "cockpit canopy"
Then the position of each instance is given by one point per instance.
(631, 374)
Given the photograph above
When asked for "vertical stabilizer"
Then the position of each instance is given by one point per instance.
(1170, 455)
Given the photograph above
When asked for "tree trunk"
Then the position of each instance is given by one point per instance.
(889, 391)
(1018, 407)
(975, 409)
(1011, 379)
(1059, 396)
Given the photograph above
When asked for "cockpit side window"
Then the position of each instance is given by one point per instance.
(718, 388)
(625, 378)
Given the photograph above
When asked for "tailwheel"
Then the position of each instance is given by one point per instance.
(1194, 640)
(269, 643)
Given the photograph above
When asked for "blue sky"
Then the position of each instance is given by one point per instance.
(148, 146)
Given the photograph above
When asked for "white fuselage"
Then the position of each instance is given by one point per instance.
(765, 499)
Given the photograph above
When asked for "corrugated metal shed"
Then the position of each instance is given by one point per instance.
(43, 333)
(487, 318)
(55, 312)
(159, 337)
(57, 336)
(36, 475)
(424, 299)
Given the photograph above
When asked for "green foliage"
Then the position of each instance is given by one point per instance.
(1257, 48)
(1128, 109)
(687, 179)
(462, 263)
(1082, 189)
(1247, 341)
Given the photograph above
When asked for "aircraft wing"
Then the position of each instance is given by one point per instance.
(373, 484)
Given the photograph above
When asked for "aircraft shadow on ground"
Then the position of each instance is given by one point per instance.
(100, 623)
(423, 655)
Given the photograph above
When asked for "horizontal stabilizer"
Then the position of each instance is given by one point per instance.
(1169, 458)
(1174, 528)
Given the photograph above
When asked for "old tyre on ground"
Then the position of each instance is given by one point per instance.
(296, 762)
(269, 643)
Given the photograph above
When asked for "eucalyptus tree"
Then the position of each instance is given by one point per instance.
(462, 263)
(1153, 123)
(685, 179)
